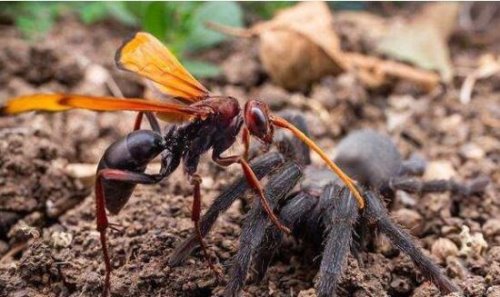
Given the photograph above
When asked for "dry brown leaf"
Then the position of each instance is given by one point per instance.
(312, 20)
(296, 66)
(423, 40)
(299, 46)
(313, 48)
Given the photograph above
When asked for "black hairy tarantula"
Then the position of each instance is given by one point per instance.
(323, 206)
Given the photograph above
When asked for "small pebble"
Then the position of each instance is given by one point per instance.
(493, 270)
(474, 286)
(247, 72)
(426, 289)
(450, 122)
(493, 291)
(494, 254)
(61, 239)
(207, 183)
(443, 248)
(23, 230)
(396, 119)
(96, 74)
(227, 244)
(307, 293)
(491, 227)
(472, 151)
(409, 219)
(406, 199)
(385, 246)
(439, 170)
(4, 247)
(472, 245)
(401, 285)
(455, 267)
(274, 95)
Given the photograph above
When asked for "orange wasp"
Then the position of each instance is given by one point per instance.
(204, 121)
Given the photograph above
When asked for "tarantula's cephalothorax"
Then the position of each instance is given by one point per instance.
(322, 205)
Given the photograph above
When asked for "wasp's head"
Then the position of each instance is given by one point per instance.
(256, 117)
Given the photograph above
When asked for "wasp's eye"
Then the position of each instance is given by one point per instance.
(256, 116)
(260, 120)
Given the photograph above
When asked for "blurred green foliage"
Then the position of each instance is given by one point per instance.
(268, 9)
(181, 25)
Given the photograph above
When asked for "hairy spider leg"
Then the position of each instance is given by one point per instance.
(253, 230)
(293, 214)
(339, 219)
(413, 185)
(376, 214)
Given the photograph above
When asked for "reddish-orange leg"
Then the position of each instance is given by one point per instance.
(245, 137)
(153, 122)
(102, 219)
(195, 217)
(254, 182)
(138, 120)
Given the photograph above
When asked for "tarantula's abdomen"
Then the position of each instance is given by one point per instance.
(368, 157)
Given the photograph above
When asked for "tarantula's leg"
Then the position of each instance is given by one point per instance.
(376, 214)
(292, 214)
(265, 253)
(339, 220)
(262, 166)
(253, 230)
(415, 165)
(153, 121)
(413, 185)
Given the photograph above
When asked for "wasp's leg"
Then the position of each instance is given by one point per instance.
(262, 166)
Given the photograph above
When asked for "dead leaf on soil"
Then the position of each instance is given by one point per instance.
(423, 41)
(299, 46)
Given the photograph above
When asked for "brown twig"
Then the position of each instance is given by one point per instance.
(231, 31)
(379, 68)
(13, 251)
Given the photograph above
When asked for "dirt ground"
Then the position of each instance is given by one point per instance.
(48, 242)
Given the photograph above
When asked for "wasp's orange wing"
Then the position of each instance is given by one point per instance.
(147, 56)
(62, 102)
